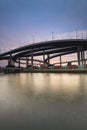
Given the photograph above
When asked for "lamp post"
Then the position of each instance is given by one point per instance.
(76, 33)
(52, 35)
(82, 35)
(33, 38)
(19, 43)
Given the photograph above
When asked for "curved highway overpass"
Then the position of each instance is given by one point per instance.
(48, 50)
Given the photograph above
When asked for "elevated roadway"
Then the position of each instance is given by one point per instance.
(48, 50)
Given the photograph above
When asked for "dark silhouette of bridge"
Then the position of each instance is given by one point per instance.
(48, 50)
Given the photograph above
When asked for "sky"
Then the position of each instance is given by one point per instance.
(25, 21)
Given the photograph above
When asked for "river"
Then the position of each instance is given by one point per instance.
(43, 101)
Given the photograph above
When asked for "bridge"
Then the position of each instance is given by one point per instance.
(48, 50)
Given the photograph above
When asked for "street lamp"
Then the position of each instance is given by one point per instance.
(33, 38)
(19, 43)
(76, 33)
(52, 35)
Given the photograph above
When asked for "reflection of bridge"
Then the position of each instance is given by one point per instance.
(48, 50)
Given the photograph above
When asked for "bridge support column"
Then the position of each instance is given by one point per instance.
(27, 61)
(78, 54)
(10, 61)
(48, 58)
(60, 61)
(82, 56)
(19, 63)
(44, 57)
(32, 58)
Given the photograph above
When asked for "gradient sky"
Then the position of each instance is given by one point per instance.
(21, 19)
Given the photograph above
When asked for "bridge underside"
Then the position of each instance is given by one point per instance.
(47, 50)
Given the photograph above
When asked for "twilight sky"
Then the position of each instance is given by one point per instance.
(20, 20)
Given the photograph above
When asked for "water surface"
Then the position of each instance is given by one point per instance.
(37, 101)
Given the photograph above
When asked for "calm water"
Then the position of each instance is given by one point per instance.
(43, 101)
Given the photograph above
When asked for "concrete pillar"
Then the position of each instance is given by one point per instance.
(44, 57)
(60, 61)
(10, 62)
(84, 61)
(13, 63)
(82, 56)
(48, 58)
(78, 54)
(27, 61)
(19, 63)
(32, 58)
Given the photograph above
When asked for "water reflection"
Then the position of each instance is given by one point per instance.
(42, 101)
(54, 85)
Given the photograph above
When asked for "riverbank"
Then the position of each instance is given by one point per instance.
(57, 71)
(18, 70)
